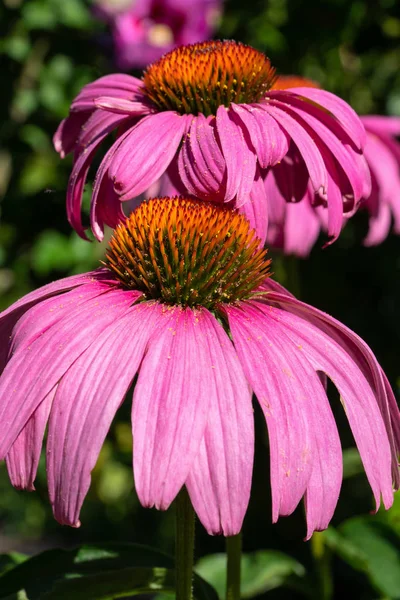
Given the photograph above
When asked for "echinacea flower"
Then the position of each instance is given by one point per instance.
(143, 30)
(294, 228)
(185, 303)
(206, 117)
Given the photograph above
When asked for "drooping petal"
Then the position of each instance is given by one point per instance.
(381, 125)
(38, 319)
(23, 457)
(146, 153)
(96, 130)
(270, 141)
(325, 129)
(170, 407)
(122, 106)
(118, 85)
(350, 364)
(87, 398)
(323, 487)
(342, 111)
(256, 209)
(282, 393)
(101, 186)
(306, 146)
(34, 371)
(11, 315)
(220, 479)
(66, 136)
(200, 161)
(239, 159)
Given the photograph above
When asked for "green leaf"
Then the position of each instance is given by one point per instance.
(381, 547)
(261, 571)
(345, 548)
(114, 584)
(11, 560)
(96, 572)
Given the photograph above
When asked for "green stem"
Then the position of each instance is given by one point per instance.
(321, 555)
(184, 546)
(234, 553)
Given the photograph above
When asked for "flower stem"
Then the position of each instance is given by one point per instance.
(321, 556)
(234, 553)
(184, 546)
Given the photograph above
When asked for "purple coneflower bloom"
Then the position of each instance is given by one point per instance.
(295, 228)
(211, 118)
(185, 302)
(143, 30)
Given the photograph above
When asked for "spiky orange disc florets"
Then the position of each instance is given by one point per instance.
(187, 252)
(200, 77)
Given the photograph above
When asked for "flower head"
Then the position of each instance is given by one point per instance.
(294, 228)
(186, 304)
(143, 30)
(207, 119)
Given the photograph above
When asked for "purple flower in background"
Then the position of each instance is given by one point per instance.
(177, 270)
(143, 30)
(212, 120)
(294, 228)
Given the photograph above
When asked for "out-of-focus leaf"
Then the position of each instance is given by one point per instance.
(114, 584)
(345, 548)
(260, 571)
(11, 560)
(381, 547)
(98, 572)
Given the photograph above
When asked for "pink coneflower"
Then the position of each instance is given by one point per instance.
(206, 116)
(185, 302)
(294, 228)
(143, 30)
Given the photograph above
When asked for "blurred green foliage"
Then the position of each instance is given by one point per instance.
(48, 50)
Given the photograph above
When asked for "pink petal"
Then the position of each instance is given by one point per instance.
(146, 153)
(122, 106)
(119, 85)
(50, 311)
(220, 479)
(350, 364)
(33, 372)
(270, 142)
(171, 406)
(256, 209)
(342, 153)
(381, 125)
(86, 401)
(23, 457)
(240, 160)
(45, 291)
(200, 161)
(101, 186)
(98, 127)
(306, 146)
(66, 136)
(379, 226)
(282, 393)
(346, 116)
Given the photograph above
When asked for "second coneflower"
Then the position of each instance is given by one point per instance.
(210, 118)
(186, 304)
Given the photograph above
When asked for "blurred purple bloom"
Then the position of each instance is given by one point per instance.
(294, 228)
(143, 30)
